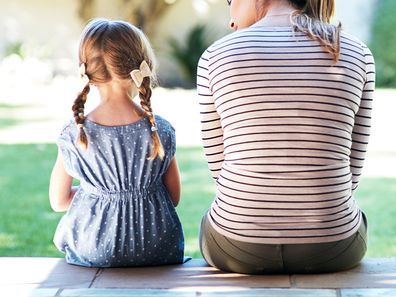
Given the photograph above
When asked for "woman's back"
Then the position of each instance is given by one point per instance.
(293, 126)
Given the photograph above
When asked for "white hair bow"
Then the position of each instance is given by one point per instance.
(84, 77)
(139, 74)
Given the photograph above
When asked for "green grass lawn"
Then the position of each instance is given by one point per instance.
(27, 223)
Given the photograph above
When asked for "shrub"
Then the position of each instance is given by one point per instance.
(383, 43)
(187, 53)
(14, 48)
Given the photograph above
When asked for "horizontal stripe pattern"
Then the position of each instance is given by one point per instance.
(285, 131)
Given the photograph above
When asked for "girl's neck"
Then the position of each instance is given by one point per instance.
(116, 91)
(116, 106)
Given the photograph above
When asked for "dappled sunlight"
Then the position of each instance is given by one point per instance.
(25, 291)
(212, 289)
(191, 246)
(197, 269)
(202, 7)
(14, 70)
(221, 275)
(387, 279)
(21, 269)
(7, 241)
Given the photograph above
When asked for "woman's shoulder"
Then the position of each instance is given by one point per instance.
(352, 40)
(225, 40)
(246, 35)
(356, 46)
(211, 50)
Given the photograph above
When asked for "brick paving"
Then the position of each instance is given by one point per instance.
(50, 277)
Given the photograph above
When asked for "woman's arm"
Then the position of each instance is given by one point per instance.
(361, 129)
(61, 192)
(171, 180)
(212, 132)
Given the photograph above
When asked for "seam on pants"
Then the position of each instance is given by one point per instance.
(281, 247)
(228, 253)
(315, 256)
(338, 254)
(219, 246)
(265, 259)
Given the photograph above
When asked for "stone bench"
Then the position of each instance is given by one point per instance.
(50, 277)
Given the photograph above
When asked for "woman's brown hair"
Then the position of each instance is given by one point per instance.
(112, 49)
(313, 17)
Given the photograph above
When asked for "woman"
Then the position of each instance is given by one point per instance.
(286, 108)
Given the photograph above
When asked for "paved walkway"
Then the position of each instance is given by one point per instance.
(35, 114)
(49, 277)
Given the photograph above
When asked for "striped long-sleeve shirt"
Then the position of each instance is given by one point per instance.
(285, 130)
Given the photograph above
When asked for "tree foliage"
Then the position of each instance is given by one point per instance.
(188, 52)
(86, 9)
(383, 43)
(142, 13)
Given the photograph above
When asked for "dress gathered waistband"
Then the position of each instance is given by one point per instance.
(121, 194)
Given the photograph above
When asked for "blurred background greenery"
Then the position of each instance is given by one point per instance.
(383, 42)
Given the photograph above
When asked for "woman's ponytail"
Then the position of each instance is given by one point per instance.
(313, 18)
(322, 10)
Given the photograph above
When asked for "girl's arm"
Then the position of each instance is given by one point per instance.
(61, 191)
(171, 180)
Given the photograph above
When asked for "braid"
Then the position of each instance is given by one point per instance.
(78, 111)
(145, 101)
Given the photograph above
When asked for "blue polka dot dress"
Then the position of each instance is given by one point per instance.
(122, 214)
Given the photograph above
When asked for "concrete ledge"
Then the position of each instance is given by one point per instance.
(48, 277)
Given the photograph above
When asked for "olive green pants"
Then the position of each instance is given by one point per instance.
(251, 258)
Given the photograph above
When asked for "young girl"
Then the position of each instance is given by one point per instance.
(123, 212)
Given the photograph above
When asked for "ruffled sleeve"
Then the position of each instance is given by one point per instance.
(67, 149)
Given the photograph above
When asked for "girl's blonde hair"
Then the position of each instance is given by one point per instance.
(313, 17)
(111, 50)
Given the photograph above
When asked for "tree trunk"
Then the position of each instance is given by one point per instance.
(86, 10)
(142, 13)
(145, 13)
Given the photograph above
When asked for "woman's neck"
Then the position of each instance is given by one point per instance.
(277, 15)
